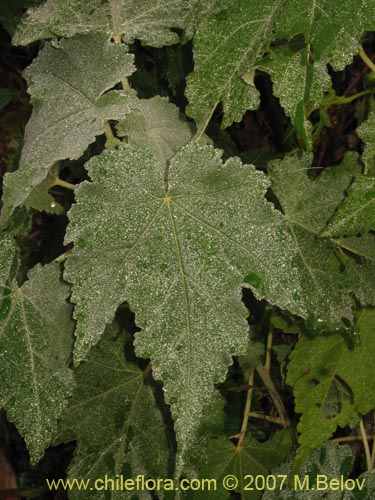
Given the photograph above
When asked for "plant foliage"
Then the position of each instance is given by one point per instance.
(268, 271)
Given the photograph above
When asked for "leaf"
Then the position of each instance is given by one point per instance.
(177, 245)
(254, 458)
(307, 204)
(329, 463)
(40, 199)
(356, 214)
(227, 44)
(156, 124)
(35, 344)
(112, 396)
(149, 21)
(366, 132)
(332, 29)
(332, 382)
(299, 86)
(230, 42)
(68, 84)
(365, 487)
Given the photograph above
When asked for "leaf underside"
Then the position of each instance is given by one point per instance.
(113, 397)
(36, 334)
(179, 249)
(70, 92)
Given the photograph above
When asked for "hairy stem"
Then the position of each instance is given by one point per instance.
(365, 445)
(277, 401)
(247, 410)
(60, 182)
(365, 58)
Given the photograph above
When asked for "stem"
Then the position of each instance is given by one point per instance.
(147, 371)
(247, 410)
(201, 130)
(63, 256)
(108, 131)
(59, 182)
(261, 416)
(348, 439)
(365, 445)
(277, 401)
(365, 58)
(373, 445)
(267, 364)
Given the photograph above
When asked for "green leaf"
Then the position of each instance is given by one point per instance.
(223, 458)
(179, 245)
(35, 345)
(113, 396)
(299, 86)
(365, 487)
(332, 29)
(156, 124)
(227, 45)
(356, 214)
(68, 84)
(40, 199)
(332, 382)
(329, 463)
(366, 132)
(233, 36)
(149, 21)
(307, 204)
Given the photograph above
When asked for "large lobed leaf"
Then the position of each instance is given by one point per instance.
(332, 380)
(115, 420)
(227, 45)
(177, 245)
(36, 334)
(307, 205)
(150, 21)
(68, 84)
(232, 38)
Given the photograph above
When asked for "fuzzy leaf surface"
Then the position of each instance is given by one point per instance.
(233, 36)
(366, 132)
(331, 29)
(148, 21)
(112, 396)
(331, 376)
(156, 124)
(68, 84)
(356, 214)
(178, 245)
(255, 458)
(298, 85)
(331, 460)
(307, 205)
(36, 335)
(227, 44)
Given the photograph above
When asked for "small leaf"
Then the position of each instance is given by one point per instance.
(68, 86)
(35, 344)
(332, 382)
(299, 86)
(116, 422)
(156, 124)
